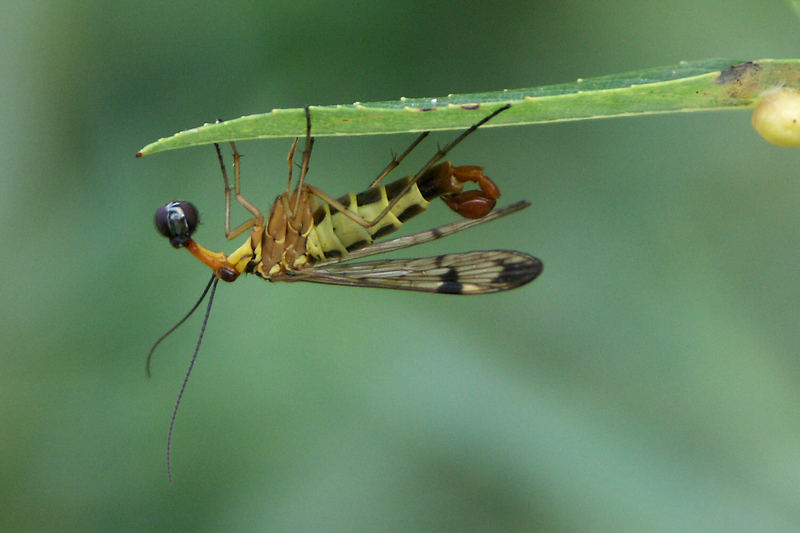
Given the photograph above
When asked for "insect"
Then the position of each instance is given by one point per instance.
(311, 236)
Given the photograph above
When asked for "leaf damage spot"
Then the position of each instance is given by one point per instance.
(742, 79)
(737, 73)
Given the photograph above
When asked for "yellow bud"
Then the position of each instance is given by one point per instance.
(777, 117)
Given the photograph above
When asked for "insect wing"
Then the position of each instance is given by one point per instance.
(461, 273)
(405, 241)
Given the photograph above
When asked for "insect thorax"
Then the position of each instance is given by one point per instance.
(299, 233)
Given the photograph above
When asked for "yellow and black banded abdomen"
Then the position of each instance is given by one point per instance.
(334, 234)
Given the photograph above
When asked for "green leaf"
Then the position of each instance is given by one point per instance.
(688, 86)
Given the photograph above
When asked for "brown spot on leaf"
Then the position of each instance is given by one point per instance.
(737, 72)
(741, 78)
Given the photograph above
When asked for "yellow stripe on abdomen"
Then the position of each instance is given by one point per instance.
(334, 235)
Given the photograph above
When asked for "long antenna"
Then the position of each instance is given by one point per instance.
(176, 326)
(215, 280)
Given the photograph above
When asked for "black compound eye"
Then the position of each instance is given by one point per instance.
(176, 221)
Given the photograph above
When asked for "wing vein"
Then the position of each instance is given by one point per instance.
(476, 272)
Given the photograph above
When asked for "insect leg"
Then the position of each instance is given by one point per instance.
(309, 144)
(440, 153)
(398, 243)
(290, 160)
(258, 218)
(396, 160)
(474, 205)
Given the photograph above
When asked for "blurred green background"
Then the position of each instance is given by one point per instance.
(648, 381)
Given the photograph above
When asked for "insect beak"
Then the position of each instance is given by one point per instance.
(216, 260)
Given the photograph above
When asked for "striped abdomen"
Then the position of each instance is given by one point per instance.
(334, 234)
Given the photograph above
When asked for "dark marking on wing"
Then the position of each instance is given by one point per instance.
(451, 275)
(450, 287)
(477, 272)
(519, 270)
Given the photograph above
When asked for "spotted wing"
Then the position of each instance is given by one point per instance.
(460, 273)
